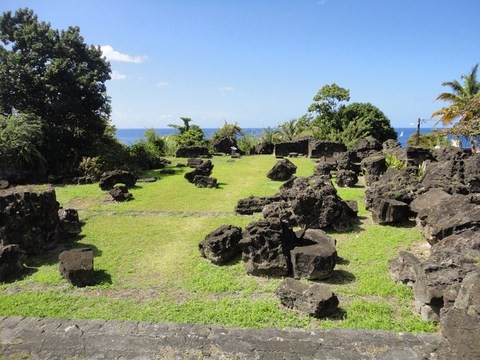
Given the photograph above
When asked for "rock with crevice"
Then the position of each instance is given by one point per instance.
(222, 244)
(120, 193)
(265, 248)
(316, 300)
(12, 258)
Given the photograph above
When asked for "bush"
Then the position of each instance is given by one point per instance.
(147, 152)
(21, 137)
(429, 140)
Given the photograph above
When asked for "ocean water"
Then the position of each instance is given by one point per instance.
(129, 136)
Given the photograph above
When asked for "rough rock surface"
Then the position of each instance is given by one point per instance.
(203, 169)
(287, 147)
(461, 325)
(373, 167)
(91, 339)
(321, 148)
(224, 144)
(201, 181)
(28, 218)
(389, 211)
(401, 185)
(316, 300)
(472, 173)
(253, 204)
(315, 204)
(313, 262)
(283, 170)
(265, 248)
(450, 216)
(346, 178)
(264, 147)
(222, 244)
(11, 262)
(68, 224)
(111, 178)
(76, 266)
(192, 152)
(120, 193)
(194, 162)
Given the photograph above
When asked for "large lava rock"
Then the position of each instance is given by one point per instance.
(76, 266)
(389, 211)
(283, 170)
(192, 152)
(222, 244)
(315, 204)
(201, 181)
(28, 218)
(445, 175)
(461, 325)
(321, 148)
(253, 204)
(11, 262)
(401, 185)
(224, 144)
(367, 147)
(450, 216)
(373, 167)
(120, 193)
(204, 169)
(285, 148)
(346, 178)
(264, 147)
(472, 173)
(313, 262)
(68, 224)
(317, 300)
(111, 178)
(265, 248)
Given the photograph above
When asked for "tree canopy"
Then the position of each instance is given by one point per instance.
(55, 76)
(188, 134)
(330, 119)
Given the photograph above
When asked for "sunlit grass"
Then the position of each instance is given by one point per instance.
(150, 268)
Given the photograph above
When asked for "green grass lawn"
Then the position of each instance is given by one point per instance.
(149, 268)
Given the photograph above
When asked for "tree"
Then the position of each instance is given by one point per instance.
(460, 98)
(326, 105)
(362, 120)
(55, 76)
(464, 109)
(188, 135)
(288, 130)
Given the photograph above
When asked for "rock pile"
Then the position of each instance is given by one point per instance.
(31, 223)
(200, 176)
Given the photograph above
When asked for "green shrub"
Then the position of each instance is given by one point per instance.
(396, 163)
(247, 143)
(21, 137)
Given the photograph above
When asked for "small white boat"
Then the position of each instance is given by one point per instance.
(401, 134)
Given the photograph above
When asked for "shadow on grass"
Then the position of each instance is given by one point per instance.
(101, 277)
(340, 277)
(337, 315)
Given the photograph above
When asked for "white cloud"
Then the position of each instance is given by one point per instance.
(114, 55)
(162, 84)
(116, 75)
(226, 89)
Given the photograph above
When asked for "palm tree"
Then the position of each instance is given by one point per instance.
(460, 99)
(288, 129)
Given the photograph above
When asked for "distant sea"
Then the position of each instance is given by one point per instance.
(129, 136)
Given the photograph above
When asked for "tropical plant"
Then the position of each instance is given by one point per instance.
(57, 77)
(171, 145)
(459, 98)
(21, 138)
(288, 130)
(247, 143)
(188, 135)
(147, 151)
(271, 135)
(229, 131)
(429, 140)
(464, 108)
(394, 162)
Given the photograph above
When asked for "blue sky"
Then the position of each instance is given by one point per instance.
(259, 63)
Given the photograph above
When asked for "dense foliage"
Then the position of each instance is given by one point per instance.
(55, 76)
(188, 135)
(147, 151)
(21, 138)
(330, 119)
